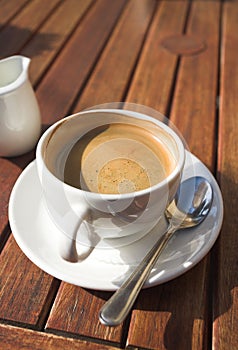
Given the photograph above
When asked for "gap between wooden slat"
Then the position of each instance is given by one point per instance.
(4, 236)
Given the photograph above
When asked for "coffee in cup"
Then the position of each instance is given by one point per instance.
(118, 158)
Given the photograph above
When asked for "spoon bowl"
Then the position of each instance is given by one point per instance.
(189, 208)
(187, 211)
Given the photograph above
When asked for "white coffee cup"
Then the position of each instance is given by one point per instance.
(89, 217)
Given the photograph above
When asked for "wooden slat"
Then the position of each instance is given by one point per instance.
(13, 338)
(72, 67)
(165, 313)
(225, 332)
(152, 86)
(52, 35)
(109, 80)
(194, 103)
(22, 27)
(26, 292)
(76, 310)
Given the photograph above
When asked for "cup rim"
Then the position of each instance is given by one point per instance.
(114, 196)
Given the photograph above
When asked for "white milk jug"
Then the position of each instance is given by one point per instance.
(20, 121)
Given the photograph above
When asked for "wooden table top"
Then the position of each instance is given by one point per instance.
(179, 58)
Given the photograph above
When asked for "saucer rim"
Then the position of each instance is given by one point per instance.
(97, 285)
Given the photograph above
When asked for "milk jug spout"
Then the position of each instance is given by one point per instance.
(20, 121)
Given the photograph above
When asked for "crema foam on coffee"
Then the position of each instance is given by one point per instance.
(118, 158)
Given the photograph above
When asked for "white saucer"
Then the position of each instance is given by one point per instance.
(105, 269)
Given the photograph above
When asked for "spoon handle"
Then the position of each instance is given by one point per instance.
(119, 305)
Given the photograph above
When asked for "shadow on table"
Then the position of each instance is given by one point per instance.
(16, 39)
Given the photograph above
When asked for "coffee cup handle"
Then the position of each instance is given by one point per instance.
(67, 249)
(67, 243)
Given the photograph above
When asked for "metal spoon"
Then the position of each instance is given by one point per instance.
(189, 208)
